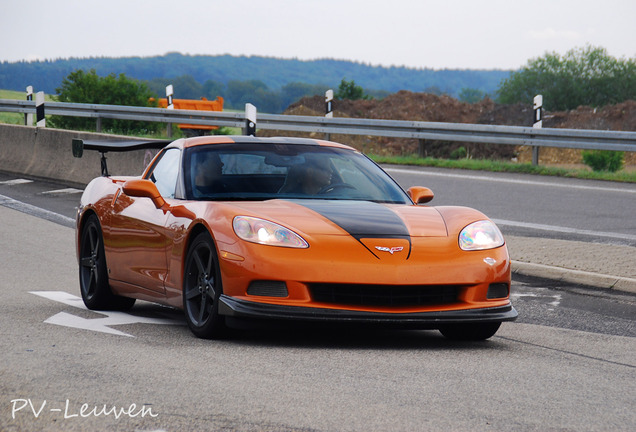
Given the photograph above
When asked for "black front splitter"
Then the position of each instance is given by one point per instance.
(242, 309)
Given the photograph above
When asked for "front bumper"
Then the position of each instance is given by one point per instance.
(242, 309)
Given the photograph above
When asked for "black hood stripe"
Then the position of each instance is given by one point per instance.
(361, 219)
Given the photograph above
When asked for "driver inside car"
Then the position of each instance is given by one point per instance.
(308, 178)
(209, 170)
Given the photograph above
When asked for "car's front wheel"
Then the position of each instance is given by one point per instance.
(93, 273)
(202, 289)
(470, 332)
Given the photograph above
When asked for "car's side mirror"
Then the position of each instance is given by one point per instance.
(144, 189)
(420, 194)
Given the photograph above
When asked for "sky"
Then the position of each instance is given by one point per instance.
(438, 34)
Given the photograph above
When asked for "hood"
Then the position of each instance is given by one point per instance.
(360, 219)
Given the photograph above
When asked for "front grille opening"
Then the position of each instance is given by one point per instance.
(498, 291)
(268, 288)
(384, 295)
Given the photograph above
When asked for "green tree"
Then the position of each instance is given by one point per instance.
(255, 92)
(295, 91)
(350, 90)
(185, 87)
(583, 76)
(241, 92)
(435, 90)
(87, 87)
(212, 89)
(471, 95)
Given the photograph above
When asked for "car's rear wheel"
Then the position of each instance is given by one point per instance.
(202, 289)
(470, 332)
(93, 272)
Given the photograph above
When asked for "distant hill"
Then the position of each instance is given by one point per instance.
(273, 72)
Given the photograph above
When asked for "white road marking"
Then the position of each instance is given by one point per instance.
(529, 225)
(506, 180)
(542, 227)
(65, 191)
(36, 211)
(15, 182)
(554, 297)
(102, 325)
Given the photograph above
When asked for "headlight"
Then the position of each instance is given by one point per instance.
(480, 235)
(268, 233)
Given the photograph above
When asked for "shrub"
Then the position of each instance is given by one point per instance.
(87, 87)
(459, 153)
(603, 160)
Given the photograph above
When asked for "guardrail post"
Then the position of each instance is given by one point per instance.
(250, 119)
(537, 123)
(169, 96)
(98, 124)
(421, 148)
(28, 117)
(328, 109)
(39, 110)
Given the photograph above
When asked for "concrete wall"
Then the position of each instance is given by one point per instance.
(46, 153)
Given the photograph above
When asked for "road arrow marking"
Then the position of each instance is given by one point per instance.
(64, 191)
(15, 182)
(102, 325)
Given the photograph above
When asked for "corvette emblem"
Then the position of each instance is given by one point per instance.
(390, 249)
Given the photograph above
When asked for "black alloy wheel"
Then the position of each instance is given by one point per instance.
(93, 272)
(202, 289)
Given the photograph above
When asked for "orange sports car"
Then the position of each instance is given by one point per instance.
(234, 229)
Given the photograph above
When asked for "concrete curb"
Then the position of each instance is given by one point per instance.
(574, 276)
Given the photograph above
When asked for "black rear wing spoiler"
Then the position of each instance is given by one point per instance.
(104, 146)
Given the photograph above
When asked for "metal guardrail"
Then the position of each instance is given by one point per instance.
(475, 133)
(121, 112)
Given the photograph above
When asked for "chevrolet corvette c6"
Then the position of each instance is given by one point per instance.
(235, 229)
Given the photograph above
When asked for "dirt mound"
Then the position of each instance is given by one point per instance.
(619, 117)
(406, 105)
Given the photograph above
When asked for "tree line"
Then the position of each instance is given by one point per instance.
(270, 74)
(583, 76)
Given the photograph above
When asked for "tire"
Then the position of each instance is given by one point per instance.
(202, 289)
(470, 332)
(93, 272)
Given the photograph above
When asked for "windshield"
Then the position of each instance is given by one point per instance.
(285, 171)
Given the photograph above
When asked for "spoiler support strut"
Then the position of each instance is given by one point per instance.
(104, 146)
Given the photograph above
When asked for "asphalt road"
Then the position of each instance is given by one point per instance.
(524, 205)
(568, 363)
(540, 373)
(521, 204)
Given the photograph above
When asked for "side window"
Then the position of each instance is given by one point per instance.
(166, 172)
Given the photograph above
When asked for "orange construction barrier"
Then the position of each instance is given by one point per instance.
(191, 104)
